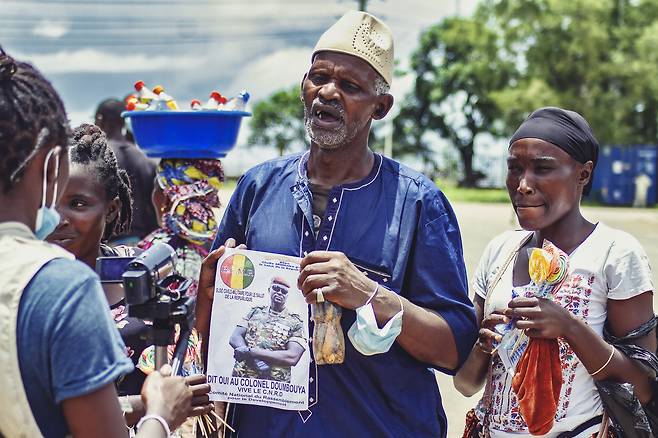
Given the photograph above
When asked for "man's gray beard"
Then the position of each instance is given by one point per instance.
(326, 140)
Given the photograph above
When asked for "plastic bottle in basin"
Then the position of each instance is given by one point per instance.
(133, 104)
(214, 101)
(195, 104)
(145, 95)
(164, 97)
(237, 103)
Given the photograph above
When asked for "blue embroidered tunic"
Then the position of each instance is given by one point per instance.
(400, 230)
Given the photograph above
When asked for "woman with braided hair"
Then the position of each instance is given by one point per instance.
(97, 203)
(95, 207)
(56, 379)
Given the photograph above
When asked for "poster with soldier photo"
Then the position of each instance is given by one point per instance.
(258, 348)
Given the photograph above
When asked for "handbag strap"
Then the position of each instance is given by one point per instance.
(605, 423)
(490, 287)
(503, 268)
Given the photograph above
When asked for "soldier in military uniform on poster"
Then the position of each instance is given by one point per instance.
(270, 340)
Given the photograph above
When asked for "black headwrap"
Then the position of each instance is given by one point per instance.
(567, 130)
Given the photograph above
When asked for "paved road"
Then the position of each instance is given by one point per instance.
(480, 222)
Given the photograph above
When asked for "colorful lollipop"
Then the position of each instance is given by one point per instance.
(548, 267)
(559, 263)
(539, 265)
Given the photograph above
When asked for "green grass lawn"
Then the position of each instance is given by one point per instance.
(454, 193)
(461, 194)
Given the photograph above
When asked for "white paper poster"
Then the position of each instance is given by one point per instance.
(258, 348)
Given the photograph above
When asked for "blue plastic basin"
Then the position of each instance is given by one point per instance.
(186, 134)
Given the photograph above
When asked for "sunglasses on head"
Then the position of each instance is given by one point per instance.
(280, 289)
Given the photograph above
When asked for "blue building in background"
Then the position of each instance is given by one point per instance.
(624, 172)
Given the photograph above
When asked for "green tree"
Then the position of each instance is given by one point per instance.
(458, 66)
(486, 73)
(597, 57)
(278, 121)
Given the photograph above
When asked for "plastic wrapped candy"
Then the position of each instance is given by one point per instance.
(548, 267)
(537, 380)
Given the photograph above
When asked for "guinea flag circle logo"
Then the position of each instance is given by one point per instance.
(237, 271)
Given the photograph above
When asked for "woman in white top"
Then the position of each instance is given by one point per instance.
(550, 166)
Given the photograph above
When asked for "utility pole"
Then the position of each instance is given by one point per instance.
(388, 140)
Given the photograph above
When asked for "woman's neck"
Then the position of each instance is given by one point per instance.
(567, 234)
(90, 258)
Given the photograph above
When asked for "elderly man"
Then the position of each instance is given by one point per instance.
(269, 340)
(377, 239)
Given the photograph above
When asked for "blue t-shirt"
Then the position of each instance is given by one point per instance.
(399, 229)
(67, 343)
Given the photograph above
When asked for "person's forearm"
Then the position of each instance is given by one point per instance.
(279, 357)
(425, 335)
(137, 409)
(473, 374)
(151, 429)
(202, 324)
(594, 352)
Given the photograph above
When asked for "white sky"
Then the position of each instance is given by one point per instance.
(92, 50)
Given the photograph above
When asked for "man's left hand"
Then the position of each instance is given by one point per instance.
(206, 283)
(336, 276)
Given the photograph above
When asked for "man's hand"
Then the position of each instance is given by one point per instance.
(341, 282)
(209, 269)
(206, 293)
(201, 403)
(241, 353)
(167, 396)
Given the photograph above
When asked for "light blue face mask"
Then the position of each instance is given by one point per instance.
(366, 337)
(47, 217)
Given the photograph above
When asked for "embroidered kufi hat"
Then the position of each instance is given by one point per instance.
(362, 35)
